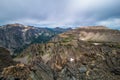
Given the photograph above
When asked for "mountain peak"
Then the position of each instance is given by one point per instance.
(15, 25)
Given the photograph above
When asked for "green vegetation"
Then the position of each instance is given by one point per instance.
(68, 39)
(42, 39)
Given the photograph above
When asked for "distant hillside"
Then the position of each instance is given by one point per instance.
(92, 34)
(16, 37)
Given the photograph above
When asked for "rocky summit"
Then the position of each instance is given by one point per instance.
(68, 57)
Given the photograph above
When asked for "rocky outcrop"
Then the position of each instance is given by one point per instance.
(5, 59)
(18, 72)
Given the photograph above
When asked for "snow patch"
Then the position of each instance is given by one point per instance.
(96, 44)
(24, 30)
(71, 59)
(82, 39)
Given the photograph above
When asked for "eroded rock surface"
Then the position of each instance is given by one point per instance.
(78, 61)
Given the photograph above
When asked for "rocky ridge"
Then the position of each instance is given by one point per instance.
(92, 34)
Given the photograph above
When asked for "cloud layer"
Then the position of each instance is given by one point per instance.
(68, 13)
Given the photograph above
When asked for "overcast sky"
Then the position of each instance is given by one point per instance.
(54, 13)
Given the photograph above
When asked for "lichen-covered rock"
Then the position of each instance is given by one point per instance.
(83, 69)
(19, 72)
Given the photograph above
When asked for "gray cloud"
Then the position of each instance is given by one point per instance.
(60, 12)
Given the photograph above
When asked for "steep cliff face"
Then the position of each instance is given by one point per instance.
(16, 37)
(68, 58)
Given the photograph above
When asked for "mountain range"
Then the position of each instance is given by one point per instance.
(86, 53)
